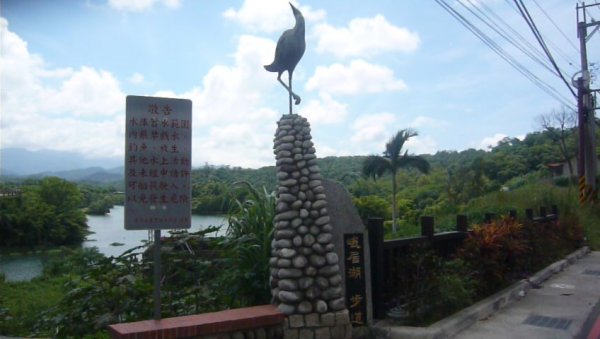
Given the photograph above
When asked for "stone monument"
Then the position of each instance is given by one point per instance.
(306, 281)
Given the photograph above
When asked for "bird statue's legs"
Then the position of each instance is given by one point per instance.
(290, 90)
(296, 97)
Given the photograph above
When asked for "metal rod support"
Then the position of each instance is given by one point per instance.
(157, 274)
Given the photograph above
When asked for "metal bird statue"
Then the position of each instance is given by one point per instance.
(289, 51)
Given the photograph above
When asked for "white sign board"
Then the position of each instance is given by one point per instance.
(158, 149)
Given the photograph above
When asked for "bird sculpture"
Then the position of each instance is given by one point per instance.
(289, 51)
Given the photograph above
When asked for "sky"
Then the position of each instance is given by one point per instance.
(370, 69)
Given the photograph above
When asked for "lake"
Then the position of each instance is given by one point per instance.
(107, 229)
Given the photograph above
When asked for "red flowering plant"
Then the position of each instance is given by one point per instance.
(497, 252)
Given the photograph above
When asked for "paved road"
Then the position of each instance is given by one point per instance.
(565, 306)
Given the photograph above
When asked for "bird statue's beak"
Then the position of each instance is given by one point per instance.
(293, 8)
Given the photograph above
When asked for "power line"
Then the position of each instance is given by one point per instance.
(500, 31)
(525, 14)
(556, 26)
(513, 31)
(502, 53)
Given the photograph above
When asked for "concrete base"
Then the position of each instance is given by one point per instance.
(318, 326)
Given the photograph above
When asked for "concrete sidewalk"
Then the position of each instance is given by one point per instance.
(560, 301)
(566, 305)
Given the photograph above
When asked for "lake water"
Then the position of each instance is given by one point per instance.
(108, 229)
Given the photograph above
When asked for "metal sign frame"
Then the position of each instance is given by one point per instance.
(158, 146)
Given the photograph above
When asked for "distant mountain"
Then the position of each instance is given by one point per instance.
(95, 175)
(22, 162)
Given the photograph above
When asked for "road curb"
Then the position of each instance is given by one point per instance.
(452, 325)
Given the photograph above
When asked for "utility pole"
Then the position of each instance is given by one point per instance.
(588, 159)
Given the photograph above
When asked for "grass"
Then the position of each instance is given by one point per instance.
(590, 218)
(21, 303)
(529, 195)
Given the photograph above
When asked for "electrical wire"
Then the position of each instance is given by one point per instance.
(516, 33)
(525, 14)
(556, 26)
(504, 34)
(504, 55)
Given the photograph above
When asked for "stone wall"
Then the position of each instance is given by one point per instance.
(305, 272)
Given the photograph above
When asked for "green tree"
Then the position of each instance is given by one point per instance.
(46, 213)
(392, 160)
(371, 206)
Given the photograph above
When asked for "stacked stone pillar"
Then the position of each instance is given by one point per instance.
(306, 283)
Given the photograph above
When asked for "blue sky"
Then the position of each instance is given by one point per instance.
(370, 69)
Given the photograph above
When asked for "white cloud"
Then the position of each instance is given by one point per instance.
(136, 78)
(92, 139)
(87, 93)
(270, 16)
(373, 131)
(423, 121)
(325, 110)
(88, 101)
(83, 110)
(235, 93)
(356, 78)
(489, 142)
(142, 5)
(373, 128)
(421, 145)
(246, 145)
(231, 123)
(365, 37)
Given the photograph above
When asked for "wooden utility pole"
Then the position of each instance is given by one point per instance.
(588, 159)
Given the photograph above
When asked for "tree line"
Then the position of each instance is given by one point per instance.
(453, 179)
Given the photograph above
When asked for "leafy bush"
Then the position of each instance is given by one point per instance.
(199, 275)
(496, 252)
(248, 248)
(372, 206)
(120, 289)
(430, 288)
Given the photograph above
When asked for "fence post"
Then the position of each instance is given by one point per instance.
(461, 223)
(543, 211)
(427, 226)
(512, 214)
(529, 213)
(554, 210)
(375, 226)
(487, 218)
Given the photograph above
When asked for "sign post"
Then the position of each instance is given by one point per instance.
(158, 149)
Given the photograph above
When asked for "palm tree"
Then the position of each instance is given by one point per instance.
(392, 160)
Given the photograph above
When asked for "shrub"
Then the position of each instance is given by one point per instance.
(372, 206)
(551, 240)
(430, 288)
(248, 248)
(497, 253)
(119, 289)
